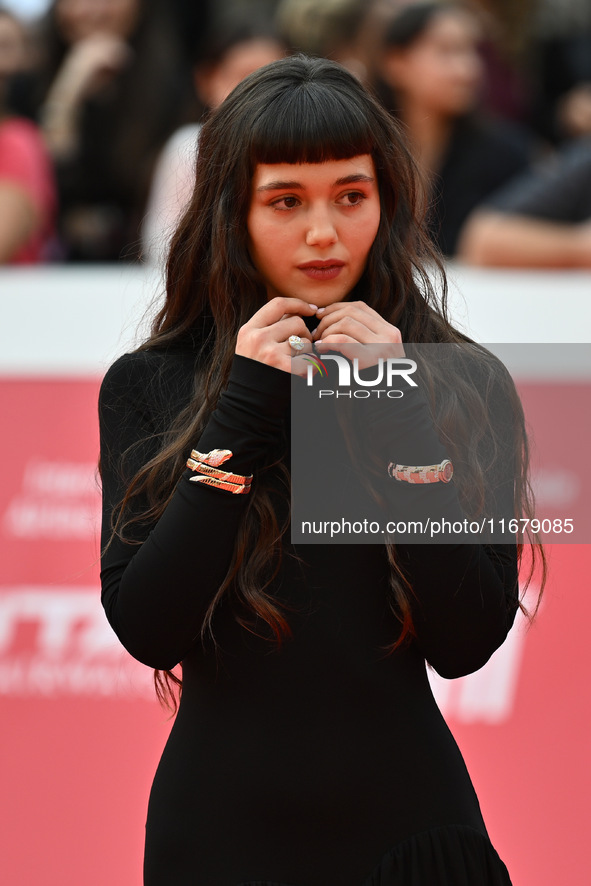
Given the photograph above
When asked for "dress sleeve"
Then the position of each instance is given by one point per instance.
(465, 600)
(464, 595)
(156, 587)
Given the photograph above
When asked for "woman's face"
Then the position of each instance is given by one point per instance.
(78, 19)
(441, 70)
(311, 226)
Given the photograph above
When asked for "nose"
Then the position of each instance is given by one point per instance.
(321, 230)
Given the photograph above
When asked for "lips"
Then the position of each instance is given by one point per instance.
(322, 265)
(322, 270)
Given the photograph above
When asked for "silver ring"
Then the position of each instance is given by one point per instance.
(296, 342)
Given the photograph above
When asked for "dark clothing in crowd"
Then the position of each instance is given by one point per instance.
(562, 64)
(482, 156)
(557, 190)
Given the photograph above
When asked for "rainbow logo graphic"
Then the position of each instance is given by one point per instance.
(317, 363)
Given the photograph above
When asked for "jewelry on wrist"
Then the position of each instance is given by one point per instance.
(442, 472)
(214, 458)
(221, 484)
(209, 471)
(206, 464)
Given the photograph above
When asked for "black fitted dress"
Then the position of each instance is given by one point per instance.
(327, 762)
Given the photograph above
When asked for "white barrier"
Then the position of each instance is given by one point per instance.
(74, 320)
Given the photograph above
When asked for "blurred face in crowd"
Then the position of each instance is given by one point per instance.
(78, 19)
(12, 46)
(441, 69)
(215, 82)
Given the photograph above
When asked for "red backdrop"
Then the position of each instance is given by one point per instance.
(82, 733)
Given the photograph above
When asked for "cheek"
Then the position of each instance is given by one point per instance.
(270, 241)
(265, 247)
(369, 232)
(254, 236)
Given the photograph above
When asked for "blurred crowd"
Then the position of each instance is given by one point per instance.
(101, 103)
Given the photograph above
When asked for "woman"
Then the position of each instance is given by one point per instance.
(302, 752)
(109, 93)
(431, 63)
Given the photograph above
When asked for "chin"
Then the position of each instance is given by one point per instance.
(330, 300)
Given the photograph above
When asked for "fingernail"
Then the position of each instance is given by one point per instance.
(315, 307)
(320, 310)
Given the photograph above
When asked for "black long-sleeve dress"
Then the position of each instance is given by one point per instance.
(327, 761)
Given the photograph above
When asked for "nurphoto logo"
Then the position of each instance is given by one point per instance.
(385, 371)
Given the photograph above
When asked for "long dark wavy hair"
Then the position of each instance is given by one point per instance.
(299, 110)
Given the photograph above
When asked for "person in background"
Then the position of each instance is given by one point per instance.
(193, 22)
(561, 60)
(27, 188)
(431, 63)
(109, 94)
(505, 49)
(541, 220)
(334, 29)
(231, 56)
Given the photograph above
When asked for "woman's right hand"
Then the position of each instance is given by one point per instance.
(265, 336)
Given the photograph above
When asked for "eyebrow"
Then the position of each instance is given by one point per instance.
(354, 178)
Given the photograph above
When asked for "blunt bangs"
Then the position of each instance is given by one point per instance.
(310, 122)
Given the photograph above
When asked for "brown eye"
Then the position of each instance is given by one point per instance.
(352, 198)
(284, 203)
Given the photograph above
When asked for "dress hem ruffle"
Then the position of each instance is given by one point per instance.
(450, 855)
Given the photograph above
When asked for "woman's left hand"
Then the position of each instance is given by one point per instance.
(346, 325)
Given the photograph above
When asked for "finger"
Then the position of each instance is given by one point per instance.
(301, 367)
(342, 344)
(280, 306)
(282, 329)
(327, 343)
(269, 343)
(365, 353)
(293, 353)
(348, 305)
(359, 312)
(385, 333)
(363, 312)
(345, 325)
